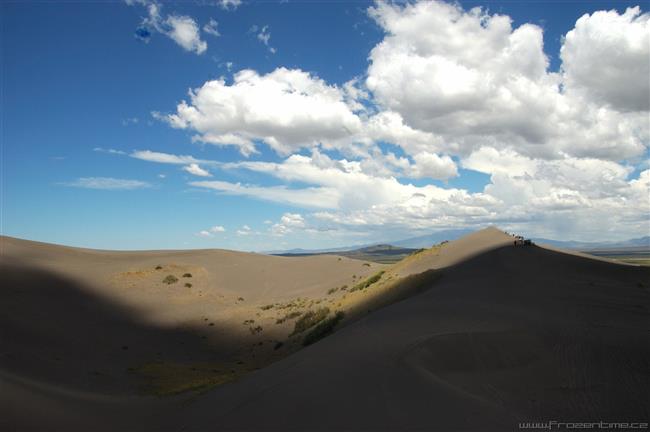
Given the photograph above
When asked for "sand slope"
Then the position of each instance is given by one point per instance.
(501, 334)
(510, 335)
(88, 320)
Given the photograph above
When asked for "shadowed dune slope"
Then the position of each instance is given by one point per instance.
(513, 334)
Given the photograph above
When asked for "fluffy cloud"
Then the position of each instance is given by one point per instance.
(180, 28)
(196, 170)
(471, 80)
(244, 230)
(433, 166)
(107, 183)
(288, 222)
(607, 56)
(185, 32)
(286, 109)
(217, 229)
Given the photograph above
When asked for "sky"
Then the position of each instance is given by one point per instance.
(259, 126)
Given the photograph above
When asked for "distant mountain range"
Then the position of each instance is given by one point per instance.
(641, 242)
(424, 241)
(429, 240)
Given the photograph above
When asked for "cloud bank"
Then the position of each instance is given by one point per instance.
(449, 90)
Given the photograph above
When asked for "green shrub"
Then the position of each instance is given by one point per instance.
(366, 283)
(158, 267)
(290, 315)
(170, 279)
(188, 285)
(366, 264)
(310, 319)
(187, 275)
(322, 329)
(332, 291)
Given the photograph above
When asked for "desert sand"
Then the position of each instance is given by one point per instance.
(475, 334)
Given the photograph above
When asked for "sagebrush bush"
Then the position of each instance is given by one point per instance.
(310, 319)
(170, 279)
(255, 330)
(290, 315)
(322, 329)
(366, 283)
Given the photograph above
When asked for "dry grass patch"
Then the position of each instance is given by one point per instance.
(170, 378)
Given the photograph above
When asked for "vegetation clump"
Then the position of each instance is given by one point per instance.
(188, 285)
(332, 291)
(187, 275)
(266, 307)
(249, 321)
(170, 279)
(255, 330)
(290, 315)
(158, 267)
(323, 329)
(309, 320)
(366, 283)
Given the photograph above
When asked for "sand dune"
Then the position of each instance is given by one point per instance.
(486, 335)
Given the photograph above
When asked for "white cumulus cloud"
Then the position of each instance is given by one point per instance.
(286, 109)
(196, 170)
(607, 56)
(185, 32)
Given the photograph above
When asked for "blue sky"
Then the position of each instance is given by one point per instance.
(81, 94)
